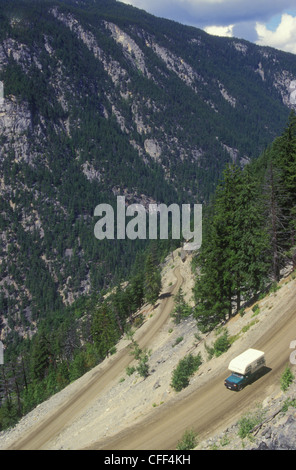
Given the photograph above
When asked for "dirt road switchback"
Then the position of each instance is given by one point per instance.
(212, 407)
(38, 436)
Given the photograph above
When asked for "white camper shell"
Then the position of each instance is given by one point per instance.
(248, 362)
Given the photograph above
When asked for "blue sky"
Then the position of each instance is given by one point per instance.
(264, 22)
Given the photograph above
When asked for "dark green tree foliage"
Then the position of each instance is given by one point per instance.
(143, 366)
(221, 344)
(41, 356)
(284, 158)
(104, 329)
(274, 195)
(249, 232)
(142, 356)
(233, 258)
(184, 370)
(211, 294)
(70, 342)
(152, 282)
(284, 149)
(58, 191)
(252, 239)
(181, 309)
(73, 339)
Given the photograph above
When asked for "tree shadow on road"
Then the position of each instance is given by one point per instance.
(165, 295)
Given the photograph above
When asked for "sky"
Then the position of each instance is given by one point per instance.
(263, 22)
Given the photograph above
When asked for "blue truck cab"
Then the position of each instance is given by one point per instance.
(237, 381)
(244, 368)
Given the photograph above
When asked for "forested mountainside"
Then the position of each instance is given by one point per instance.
(249, 233)
(102, 99)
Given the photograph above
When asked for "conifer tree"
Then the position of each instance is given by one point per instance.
(104, 330)
(274, 196)
(41, 355)
(136, 291)
(211, 293)
(152, 283)
(181, 309)
(284, 157)
(252, 238)
(233, 259)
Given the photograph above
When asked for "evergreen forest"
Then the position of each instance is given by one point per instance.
(249, 236)
(102, 99)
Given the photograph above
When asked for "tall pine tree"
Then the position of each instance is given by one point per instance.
(233, 260)
(152, 279)
(284, 157)
(105, 331)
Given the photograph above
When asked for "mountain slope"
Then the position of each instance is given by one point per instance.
(103, 411)
(103, 99)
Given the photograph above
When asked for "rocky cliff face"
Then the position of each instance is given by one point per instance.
(15, 122)
(275, 430)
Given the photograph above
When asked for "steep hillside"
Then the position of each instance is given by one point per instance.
(100, 100)
(110, 408)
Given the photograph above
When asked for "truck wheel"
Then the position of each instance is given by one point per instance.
(239, 388)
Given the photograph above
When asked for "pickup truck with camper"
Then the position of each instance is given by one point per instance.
(245, 368)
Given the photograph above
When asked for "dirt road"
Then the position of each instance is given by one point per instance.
(207, 407)
(39, 435)
(212, 407)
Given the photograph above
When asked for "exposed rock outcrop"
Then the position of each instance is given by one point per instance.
(275, 431)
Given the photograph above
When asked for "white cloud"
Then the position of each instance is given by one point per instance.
(283, 38)
(214, 12)
(239, 18)
(220, 30)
